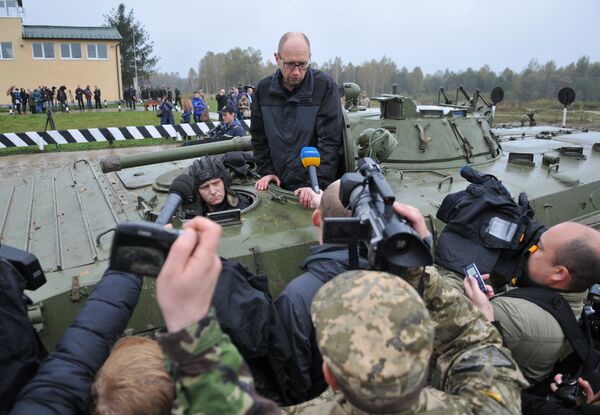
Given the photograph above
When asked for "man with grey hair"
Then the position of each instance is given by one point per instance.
(294, 108)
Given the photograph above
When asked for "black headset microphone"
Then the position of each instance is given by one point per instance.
(182, 188)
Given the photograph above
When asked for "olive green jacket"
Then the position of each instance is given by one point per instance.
(531, 333)
(473, 372)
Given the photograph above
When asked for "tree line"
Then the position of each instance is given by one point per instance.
(536, 81)
(247, 66)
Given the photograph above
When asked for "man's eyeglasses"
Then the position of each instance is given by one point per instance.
(302, 66)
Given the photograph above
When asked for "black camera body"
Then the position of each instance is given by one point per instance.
(390, 242)
(27, 264)
(569, 393)
(591, 312)
(141, 248)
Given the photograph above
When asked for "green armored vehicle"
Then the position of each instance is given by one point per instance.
(65, 216)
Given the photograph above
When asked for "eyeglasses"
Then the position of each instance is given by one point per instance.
(302, 66)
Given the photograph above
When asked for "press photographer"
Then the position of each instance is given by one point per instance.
(20, 349)
(554, 268)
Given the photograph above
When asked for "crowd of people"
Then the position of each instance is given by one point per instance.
(160, 99)
(44, 98)
(341, 338)
(231, 107)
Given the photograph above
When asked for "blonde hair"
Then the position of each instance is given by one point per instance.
(186, 104)
(133, 380)
(331, 205)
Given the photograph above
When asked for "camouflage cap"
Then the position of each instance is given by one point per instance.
(375, 334)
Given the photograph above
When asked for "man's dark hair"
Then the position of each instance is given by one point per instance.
(582, 261)
(286, 36)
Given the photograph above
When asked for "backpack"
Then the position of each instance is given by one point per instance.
(488, 226)
(585, 359)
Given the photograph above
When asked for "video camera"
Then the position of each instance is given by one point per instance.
(390, 242)
(27, 264)
(591, 312)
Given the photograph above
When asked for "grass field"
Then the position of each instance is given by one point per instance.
(579, 118)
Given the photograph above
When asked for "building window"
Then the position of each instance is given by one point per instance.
(6, 51)
(97, 51)
(8, 8)
(70, 50)
(43, 50)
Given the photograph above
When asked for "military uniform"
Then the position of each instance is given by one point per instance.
(209, 373)
(472, 373)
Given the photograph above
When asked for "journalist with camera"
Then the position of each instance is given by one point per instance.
(552, 268)
(20, 349)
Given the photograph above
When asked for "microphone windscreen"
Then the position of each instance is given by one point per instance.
(183, 185)
(310, 157)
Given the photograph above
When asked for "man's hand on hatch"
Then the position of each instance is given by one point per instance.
(264, 181)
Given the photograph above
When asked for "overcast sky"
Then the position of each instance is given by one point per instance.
(434, 35)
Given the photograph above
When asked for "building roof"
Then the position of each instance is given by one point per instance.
(71, 32)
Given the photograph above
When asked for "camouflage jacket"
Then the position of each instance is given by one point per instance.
(209, 373)
(473, 373)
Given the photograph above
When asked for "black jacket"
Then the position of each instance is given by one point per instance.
(293, 306)
(489, 227)
(20, 354)
(63, 382)
(284, 122)
(221, 101)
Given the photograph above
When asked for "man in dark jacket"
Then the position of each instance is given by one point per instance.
(221, 98)
(79, 97)
(294, 108)
(20, 352)
(63, 382)
(230, 126)
(293, 304)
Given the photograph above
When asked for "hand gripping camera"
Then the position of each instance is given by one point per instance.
(390, 242)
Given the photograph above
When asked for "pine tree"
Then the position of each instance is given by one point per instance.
(128, 26)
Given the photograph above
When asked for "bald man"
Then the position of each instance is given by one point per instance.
(567, 260)
(296, 107)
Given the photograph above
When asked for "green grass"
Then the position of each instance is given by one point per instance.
(78, 120)
(92, 119)
(51, 148)
(75, 119)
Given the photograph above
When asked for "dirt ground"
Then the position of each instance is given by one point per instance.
(25, 164)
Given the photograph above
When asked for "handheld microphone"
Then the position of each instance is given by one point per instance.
(311, 159)
(181, 189)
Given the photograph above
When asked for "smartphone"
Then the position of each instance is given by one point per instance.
(473, 272)
(141, 248)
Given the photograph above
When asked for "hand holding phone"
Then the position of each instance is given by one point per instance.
(473, 272)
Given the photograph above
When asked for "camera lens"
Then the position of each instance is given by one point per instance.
(401, 245)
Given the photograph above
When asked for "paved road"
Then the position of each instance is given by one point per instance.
(26, 164)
